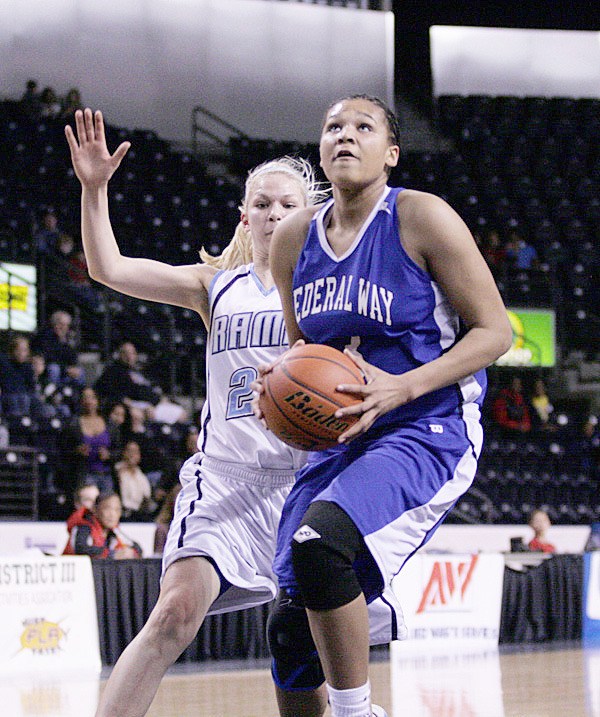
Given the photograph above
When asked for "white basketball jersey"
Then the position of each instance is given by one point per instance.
(246, 329)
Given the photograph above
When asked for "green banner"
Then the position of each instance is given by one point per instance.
(534, 338)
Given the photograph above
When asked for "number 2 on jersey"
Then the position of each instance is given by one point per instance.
(239, 398)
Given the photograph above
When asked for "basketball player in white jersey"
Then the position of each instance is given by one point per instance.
(219, 552)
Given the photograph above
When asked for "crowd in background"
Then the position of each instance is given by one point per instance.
(108, 436)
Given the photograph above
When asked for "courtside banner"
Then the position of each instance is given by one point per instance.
(48, 618)
(591, 597)
(452, 600)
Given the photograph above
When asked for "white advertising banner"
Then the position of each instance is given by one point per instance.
(48, 618)
(451, 600)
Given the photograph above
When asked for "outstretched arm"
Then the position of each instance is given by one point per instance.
(142, 278)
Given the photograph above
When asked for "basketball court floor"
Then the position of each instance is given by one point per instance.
(561, 681)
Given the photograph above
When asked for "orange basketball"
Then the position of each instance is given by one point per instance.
(299, 398)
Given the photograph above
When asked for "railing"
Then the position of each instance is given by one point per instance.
(220, 130)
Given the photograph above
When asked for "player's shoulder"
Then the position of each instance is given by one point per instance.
(416, 200)
(423, 209)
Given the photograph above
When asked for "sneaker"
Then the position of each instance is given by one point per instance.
(378, 711)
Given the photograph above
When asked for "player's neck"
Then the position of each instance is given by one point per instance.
(263, 272)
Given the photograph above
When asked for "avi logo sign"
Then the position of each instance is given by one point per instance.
(448, 585)
(452, 599)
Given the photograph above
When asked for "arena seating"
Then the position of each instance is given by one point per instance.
(528, 164)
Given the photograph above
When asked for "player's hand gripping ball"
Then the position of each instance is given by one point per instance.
(299, 399)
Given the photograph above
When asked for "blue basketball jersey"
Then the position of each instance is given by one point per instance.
(376, 299)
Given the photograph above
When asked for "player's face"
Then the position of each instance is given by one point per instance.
(355, 143)
(272, 197)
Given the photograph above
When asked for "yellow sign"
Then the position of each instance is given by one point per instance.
(18, 297)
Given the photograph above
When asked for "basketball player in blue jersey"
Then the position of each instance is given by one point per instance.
(393, 276)
(219, 551)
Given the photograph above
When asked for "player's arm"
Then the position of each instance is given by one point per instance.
(286, 243)
(185, 286)
(439, 240)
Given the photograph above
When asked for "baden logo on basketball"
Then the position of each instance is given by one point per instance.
(300, 396)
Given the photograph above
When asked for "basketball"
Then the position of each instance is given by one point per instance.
(300, 398)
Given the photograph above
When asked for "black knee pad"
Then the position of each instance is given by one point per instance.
(295, 666)
(324, 549)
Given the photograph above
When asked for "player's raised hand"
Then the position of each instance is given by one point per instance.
(94, 165)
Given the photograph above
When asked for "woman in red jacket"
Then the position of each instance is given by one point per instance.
(97, 533)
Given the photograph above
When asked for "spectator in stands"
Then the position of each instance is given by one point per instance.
(73, 270)
(585, 448)
(50, 107)
(155, 463)
(134, 486)
(71, 103)
(54, 343)
(17, 380)
(494, 252)
(510, 411)
(168, 411)
(84, 496)
(48, 235)
(520, 254)
(123, 380)
(539, 522)
(30, 100)
(542, 407)
(97, 532)
(119, 426)
(86, 445)
(49, 396)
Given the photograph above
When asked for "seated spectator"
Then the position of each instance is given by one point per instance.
(47, 237)
(17, 381)
(30, 100)
(164, 518)
(49, 397)
(96, 532)
(119, 426)
(186, 447)
(134, 487)
(86, 447)
(539, 521)
(494, 252)
(54, 343)
(123, 380)
(85, 496)
(50, 107)
(520, 254)
(71, 103)
(167, 411)
(155, 463)
(543, 409)
(585, 446)
(510, 411)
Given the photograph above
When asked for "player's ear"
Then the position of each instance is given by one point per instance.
(392, 155)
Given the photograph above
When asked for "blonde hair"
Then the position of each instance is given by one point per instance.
(239, 250)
